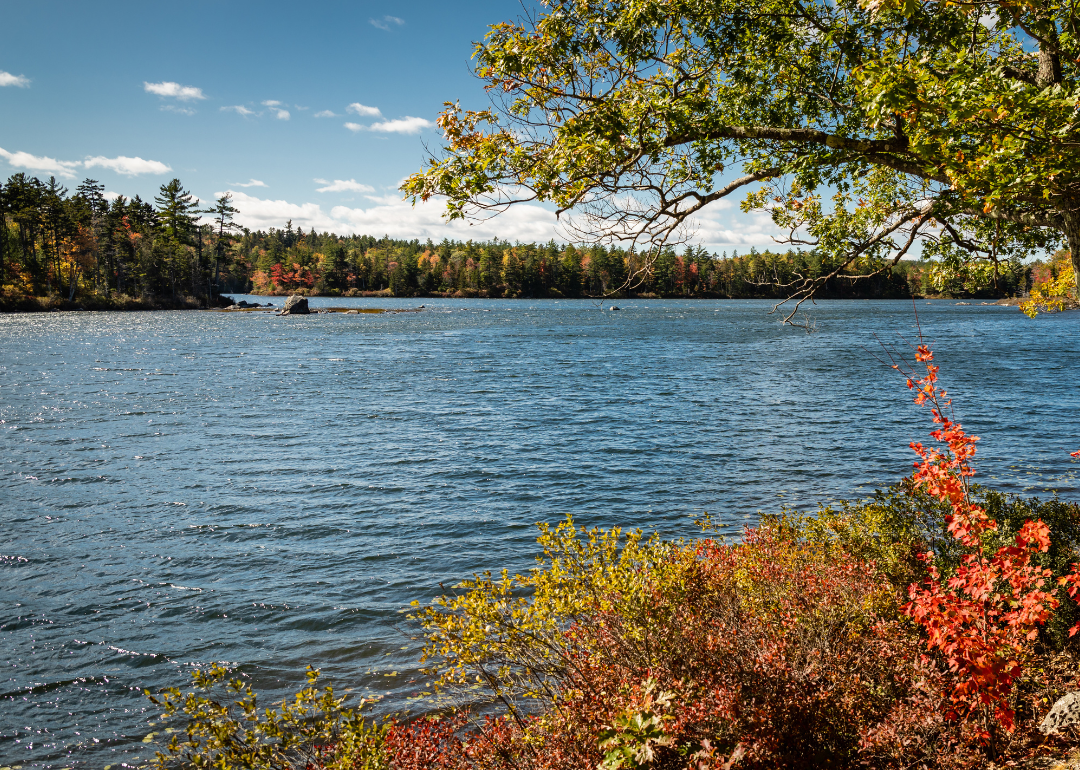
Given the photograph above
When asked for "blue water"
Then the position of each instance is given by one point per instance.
(187, 487)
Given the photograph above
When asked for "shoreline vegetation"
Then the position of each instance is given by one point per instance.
(929, 626)
(81, 250)
(11, 304)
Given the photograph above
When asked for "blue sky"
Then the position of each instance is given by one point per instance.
(312, 112)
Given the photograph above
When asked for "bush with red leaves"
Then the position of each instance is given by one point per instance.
(768, 653)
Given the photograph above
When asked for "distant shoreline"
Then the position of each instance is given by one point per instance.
(30, 304)
(26, 304)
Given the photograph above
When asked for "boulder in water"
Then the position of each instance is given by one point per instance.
(295, 305)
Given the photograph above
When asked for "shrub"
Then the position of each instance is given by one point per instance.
(772, 652)
(224, 729)
(984, 618)
(896, 526)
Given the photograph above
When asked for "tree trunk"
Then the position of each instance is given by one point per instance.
(1072, 235)
(56, 260)
(1049, 68)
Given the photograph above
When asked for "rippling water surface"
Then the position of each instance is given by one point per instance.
(187, 487)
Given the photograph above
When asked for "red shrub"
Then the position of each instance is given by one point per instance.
(771, 653)
(984, 618)
(427, 744)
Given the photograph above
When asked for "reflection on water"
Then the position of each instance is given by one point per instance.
(187, 487)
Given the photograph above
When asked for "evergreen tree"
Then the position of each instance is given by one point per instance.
(176, 210)
(223, 212)
(511, 272)
(570, 272)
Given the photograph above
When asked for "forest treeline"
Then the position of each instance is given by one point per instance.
(80, 247)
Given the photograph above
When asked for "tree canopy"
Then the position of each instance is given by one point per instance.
(89, 245)
(863, 128)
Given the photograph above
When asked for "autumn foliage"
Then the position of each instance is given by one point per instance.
(983, 618)
(1051, 291)
(765, 653)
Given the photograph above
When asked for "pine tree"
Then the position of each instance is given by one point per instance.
(223, 212)
(90, 209)
(176, 209)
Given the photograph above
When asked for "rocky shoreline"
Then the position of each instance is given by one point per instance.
(298, 305)
(1070, 303)
(28, 304)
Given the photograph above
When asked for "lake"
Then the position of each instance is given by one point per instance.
(180, 488)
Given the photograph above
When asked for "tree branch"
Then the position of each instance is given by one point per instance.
(1054, 221)
(806, 135)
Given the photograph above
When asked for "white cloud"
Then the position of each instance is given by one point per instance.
(128, 166)
(250, 183)
(400, 219)
(718, 229)
(174, 90)
(7, 79)
(326, 114)
(397, 218)
(109, 195)
(275, 107)
(719, 225)
(260, 214)
(386, 22)
(64, 168)
(297, 106)
(406, 125)
(279, 112)
(175, 108)
(363, 110)
(343, 185)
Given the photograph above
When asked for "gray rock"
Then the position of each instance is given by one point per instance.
(295, 305)
(1065, 713)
